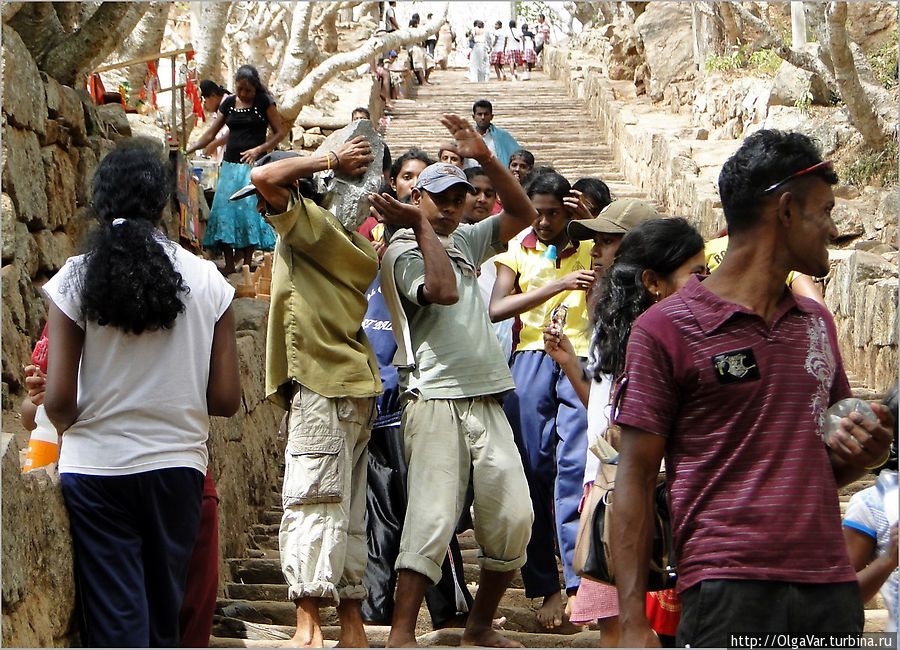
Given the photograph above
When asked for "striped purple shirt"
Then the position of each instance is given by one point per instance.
(742, 404)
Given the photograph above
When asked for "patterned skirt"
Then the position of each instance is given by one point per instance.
(514, 57)
(236, 223)
(530, 56)
(496, 58)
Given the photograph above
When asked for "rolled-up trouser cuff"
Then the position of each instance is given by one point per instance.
(501, 566)
(313, 590)
(419, 564)
(352, 592)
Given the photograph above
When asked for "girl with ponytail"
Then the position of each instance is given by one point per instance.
(142, 352)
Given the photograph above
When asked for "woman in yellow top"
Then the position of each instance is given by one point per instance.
(547, 417)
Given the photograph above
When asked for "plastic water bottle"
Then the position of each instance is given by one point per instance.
(548, 271)
(842, 409)
(43, 445)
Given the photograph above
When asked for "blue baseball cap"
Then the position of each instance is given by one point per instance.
(440, 177)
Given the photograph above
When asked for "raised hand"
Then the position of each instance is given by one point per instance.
(353, 156)
(389, 210)
(576, 205)
(468, 142)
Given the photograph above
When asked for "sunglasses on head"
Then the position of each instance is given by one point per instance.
(825, 164)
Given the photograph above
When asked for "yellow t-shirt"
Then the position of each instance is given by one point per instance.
(714, 251)
(526, 260)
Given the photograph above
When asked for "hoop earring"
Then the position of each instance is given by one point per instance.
(656, 294)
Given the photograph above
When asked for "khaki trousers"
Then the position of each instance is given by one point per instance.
(322, 539)
(444, 440)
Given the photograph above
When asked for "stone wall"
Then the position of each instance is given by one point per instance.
(53, 138)
(669, 154)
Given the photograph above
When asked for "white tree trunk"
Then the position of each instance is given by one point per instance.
(208, 20)
(146, 39)
(798, 24)
(302, 92)
(859, 104)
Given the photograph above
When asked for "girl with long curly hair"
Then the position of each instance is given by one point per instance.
(142, 352)
(654, 260)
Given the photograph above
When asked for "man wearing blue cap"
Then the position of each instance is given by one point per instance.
(452, 374)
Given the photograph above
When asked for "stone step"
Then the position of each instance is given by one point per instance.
(256, 592)
(256, 570)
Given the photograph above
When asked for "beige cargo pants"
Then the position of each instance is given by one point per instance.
(322, 539)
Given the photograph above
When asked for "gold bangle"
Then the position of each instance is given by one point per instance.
(881, 462)
(328, 161)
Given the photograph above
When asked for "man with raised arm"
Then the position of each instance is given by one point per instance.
(453, 374)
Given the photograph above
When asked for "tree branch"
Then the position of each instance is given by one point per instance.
(301, 49)
(10, 9)
(39, 27)
(858, 102)
(94, 41)
(208, 20)
(305, 91)
(796, 58)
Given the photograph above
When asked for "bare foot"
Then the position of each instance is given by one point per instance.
(570, 605)
(305, 640)
(353, 634)
(309, 629)
(400, 641)
(550, 615)
(488, 638)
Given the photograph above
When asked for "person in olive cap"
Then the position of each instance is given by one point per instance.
(608, 228)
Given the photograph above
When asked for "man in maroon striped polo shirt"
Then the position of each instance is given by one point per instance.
(729, 379)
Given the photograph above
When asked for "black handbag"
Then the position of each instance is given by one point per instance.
(598, 563)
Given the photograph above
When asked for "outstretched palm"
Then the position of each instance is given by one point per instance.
(469, 143)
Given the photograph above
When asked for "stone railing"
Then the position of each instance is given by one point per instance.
(670, 157)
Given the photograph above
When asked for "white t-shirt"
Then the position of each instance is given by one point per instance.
(498, 40)
(142, 398)
(866, 513)
(513, 39)
(597, 423)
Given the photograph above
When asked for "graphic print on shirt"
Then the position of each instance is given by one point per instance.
(820, 364)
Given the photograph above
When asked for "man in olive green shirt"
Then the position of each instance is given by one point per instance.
(320, 367)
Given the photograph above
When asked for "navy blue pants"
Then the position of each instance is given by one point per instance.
(132, 538)
(549, 424)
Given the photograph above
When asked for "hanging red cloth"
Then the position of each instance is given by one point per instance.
(96, 88)
(190, 88)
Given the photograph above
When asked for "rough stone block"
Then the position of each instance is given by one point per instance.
(52, 93)
(253, 369)
(71, 114)
(666, 33)
(8, 215)
(60, 185)
(38, 580)
(312, 140)
(113, 121)
(13, 337)
(347, 196)
(25, 101)
(23, 176)
(85, 164)
(791, 86)
(53, 249)
(25, 249)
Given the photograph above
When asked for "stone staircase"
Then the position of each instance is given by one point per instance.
(538, 113)
(558, 130)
